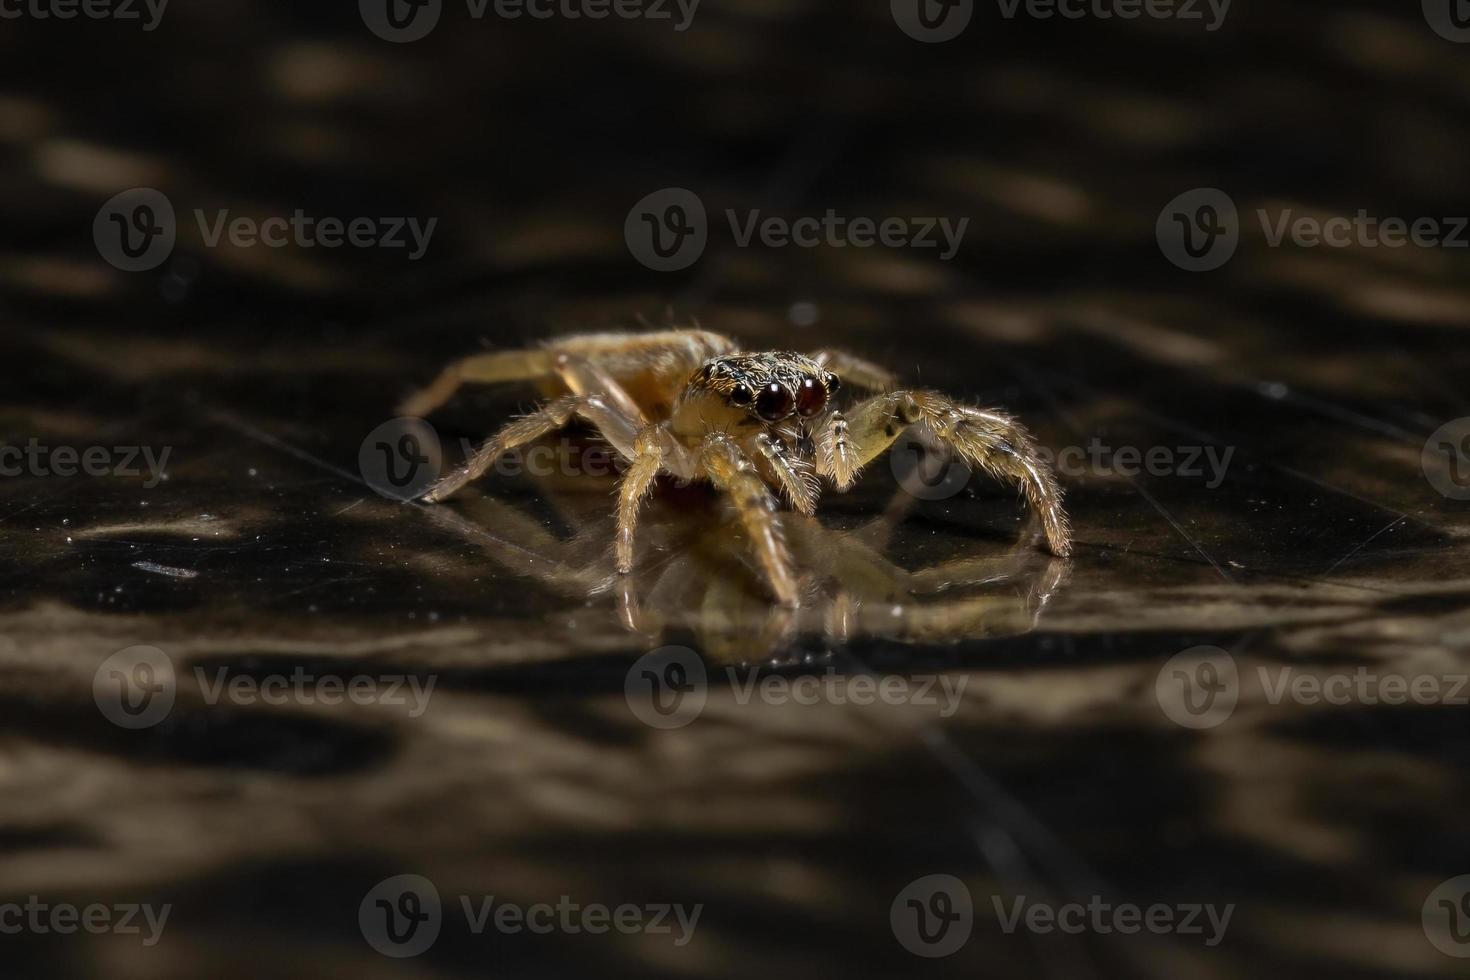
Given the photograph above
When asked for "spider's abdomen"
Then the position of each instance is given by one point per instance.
(651, 367)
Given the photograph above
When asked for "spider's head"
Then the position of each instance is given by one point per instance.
(769, 388)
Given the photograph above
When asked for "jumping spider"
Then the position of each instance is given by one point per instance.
(691, 404)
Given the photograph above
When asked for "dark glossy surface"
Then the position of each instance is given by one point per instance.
(1323, 546)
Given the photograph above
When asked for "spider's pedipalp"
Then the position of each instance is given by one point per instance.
(836, 457)
(732, 472)
(794, 476)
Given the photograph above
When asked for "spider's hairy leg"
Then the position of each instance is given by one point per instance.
(648, 457)
(614, 426)
(794, 475)
(732, 472)
(488, 368)
(855, 371)
(584, 377)
(989, 440)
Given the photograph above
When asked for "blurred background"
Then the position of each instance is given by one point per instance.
(1213, 254)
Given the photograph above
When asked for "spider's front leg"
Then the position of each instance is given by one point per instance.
(616, 427)
(989, 440)
(732, 472)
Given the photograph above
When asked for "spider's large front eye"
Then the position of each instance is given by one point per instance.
(774, 402)
(811, 398)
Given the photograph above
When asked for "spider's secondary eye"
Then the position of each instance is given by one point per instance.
(811, 399)
(741, 396)
(774, 403)
(833, 384)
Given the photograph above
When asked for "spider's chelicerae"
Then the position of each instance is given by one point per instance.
(690, 403)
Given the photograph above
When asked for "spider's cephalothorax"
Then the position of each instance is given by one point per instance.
(689, 403)
(776, 389)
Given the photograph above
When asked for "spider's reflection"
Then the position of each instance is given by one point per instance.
(694, 578)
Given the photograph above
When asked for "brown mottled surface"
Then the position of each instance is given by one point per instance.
(1324, 548)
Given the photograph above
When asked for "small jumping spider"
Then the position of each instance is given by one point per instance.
(691, 404)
